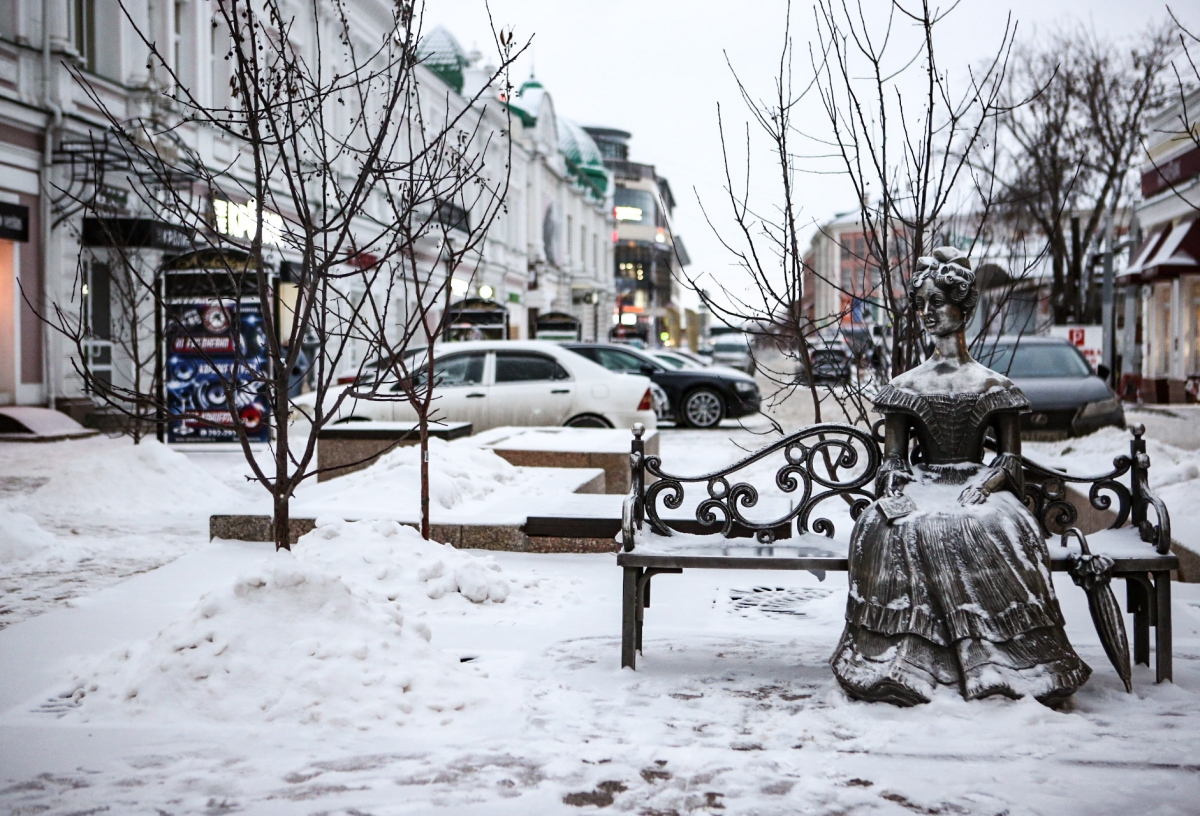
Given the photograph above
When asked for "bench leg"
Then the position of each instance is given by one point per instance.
(630, 613)
(1164, 669)
(1138, 602)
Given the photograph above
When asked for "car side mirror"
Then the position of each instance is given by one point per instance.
(648, 370)
(1102, 371)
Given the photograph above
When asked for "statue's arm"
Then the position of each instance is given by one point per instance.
(894, 471)
(1005, 471)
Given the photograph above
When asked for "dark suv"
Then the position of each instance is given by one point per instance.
(1066, 398)
(698, 397)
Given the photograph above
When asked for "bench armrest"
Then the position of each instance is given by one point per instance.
(1047, 497)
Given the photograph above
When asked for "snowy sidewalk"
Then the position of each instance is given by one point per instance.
(733, 710)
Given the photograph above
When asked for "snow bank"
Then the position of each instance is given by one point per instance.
(138, 480)
(457, 474)
(21, 537)
(1094, 454)
(289, 642)
(318, 635)
(385, 561)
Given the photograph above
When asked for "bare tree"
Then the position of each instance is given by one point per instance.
(901, 133)
(441, 208)
(318, 116)
(766, 245)
(1076, 116)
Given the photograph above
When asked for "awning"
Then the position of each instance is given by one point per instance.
(1171, 252)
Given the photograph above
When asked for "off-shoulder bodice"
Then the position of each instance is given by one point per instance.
(951, 427)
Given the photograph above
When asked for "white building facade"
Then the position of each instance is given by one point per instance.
(549, 250)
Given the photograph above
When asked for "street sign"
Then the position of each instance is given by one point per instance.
(1088, 339)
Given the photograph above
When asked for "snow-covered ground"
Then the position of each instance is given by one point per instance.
(371, 672)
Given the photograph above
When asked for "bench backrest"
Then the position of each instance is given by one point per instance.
(838, 462)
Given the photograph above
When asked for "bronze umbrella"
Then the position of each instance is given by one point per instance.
(1094, 574)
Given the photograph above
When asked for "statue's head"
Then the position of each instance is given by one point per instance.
(943, 291)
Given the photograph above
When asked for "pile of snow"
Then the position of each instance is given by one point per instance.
(136, 480)
(1093, 455)
(21, 537)
(324, 634)
(385, 561)
(1174, 473)
(457, 474)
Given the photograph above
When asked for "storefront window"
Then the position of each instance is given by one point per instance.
(1162, 357)
(1194, 362)
(635, 206)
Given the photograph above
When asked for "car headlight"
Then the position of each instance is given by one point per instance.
(1100, 408)
(744, 387)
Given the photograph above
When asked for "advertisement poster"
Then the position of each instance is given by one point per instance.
(1088, 339)
(206, 341)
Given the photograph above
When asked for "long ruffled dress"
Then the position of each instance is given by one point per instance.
(950, 594)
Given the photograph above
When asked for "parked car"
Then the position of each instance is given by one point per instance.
(699, 397)
(677, 358)
(733, 349)
(831, 364)
(508, 382)
(1066, 397)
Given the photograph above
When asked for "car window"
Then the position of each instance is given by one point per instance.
(616, 360)
(1035, 360)
(517, 366)
(454, 370)
(731, 345)
(671, 361)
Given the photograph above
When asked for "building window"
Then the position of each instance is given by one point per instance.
(216, 64)
(85, 32)
(1194, 363)
(8, 19)
(636, 206)
(570, 241)
(177, 41)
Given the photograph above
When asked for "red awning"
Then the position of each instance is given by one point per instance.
(1171, 252)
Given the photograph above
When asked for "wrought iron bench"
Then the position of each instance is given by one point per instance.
(837, 463)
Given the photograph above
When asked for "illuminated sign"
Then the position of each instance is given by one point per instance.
(628, 213)
(239, 221)
(14, 222)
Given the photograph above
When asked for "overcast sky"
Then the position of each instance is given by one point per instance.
(657, 69)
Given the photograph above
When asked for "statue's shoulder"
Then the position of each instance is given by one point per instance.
(968, 379)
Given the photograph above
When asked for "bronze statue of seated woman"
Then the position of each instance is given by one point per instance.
(949, 573)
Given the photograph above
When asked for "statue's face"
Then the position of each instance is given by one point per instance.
(939, 316)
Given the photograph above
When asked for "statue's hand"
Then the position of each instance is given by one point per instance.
(974, 495)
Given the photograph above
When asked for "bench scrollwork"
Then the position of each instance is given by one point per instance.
(820, 462)
(830, 460)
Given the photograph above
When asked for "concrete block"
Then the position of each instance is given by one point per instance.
(256, 528)
(343, 449)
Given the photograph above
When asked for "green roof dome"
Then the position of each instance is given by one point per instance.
(584, 159)
(441, 53)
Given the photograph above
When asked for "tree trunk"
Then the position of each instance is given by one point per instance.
(283, 524)
(1074, 285)
(1058, 263)
(423, 425)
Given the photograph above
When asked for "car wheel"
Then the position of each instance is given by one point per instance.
(703, 408)
(588, 421)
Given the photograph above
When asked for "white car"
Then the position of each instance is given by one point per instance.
(733, 349)
(491, 383)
